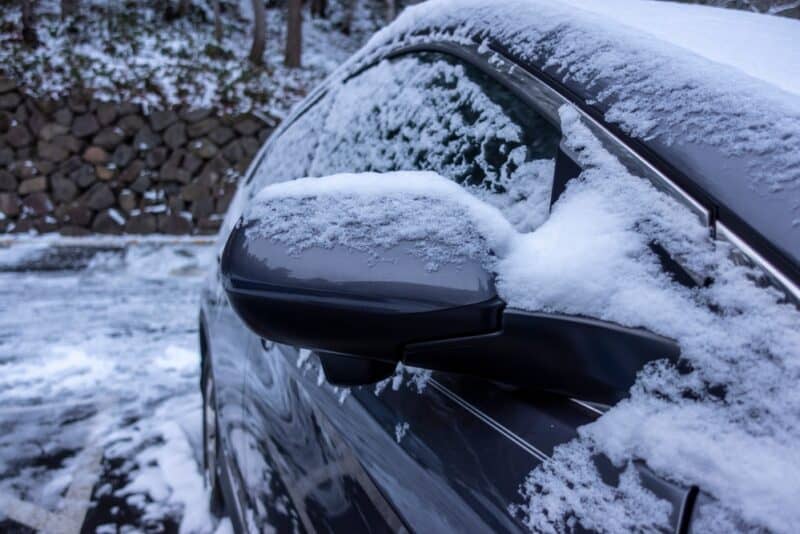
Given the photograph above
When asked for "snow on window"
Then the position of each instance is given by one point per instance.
(430, 112)
(291, 153)
(728, 423)
(423, 112)
(371, 212)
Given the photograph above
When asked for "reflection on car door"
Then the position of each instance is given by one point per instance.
(418, 452)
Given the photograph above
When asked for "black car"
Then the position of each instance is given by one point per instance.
(304, 430)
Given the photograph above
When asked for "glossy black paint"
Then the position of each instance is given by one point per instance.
(578, 357)
(364, 316)
(301, 456)
(357, 306)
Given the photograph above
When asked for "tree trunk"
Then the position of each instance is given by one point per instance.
(391, 10)
(294, 37)
(69, 8)
(29, 36)
(347, 21)
(183, 7)
(319, 8)
(217, 21)
(259, 33)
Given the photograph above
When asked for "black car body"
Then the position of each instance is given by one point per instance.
(296, 453)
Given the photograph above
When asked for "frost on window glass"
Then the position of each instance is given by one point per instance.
(372, 213)
(287, 157)
(428, 112)
(290, 155)
(726, 421)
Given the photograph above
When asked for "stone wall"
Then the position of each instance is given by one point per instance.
(76, 165)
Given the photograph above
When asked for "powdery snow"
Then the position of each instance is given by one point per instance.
(728, 425)
(101, 355)
(738, 124)
(372, 212)
(129, 52)
(762, 47)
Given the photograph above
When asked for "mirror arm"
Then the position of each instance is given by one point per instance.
(583, 358)
(348, 370)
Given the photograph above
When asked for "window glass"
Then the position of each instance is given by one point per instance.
(291, 154)
(426, 112)
(431, 112)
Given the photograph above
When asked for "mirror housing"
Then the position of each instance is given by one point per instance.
(364, 315)
(339, 300)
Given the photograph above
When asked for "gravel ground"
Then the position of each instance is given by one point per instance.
(100, 427)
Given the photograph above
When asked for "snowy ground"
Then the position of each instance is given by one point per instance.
(127, 51)
(100, 427)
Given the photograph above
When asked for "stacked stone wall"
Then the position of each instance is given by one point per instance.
(76, 165)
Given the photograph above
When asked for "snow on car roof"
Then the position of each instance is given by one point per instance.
(761, 46)
(713, 93)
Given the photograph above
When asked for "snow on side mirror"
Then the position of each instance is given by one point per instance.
(372, 269)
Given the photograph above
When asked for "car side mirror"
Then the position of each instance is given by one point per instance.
(365, 309)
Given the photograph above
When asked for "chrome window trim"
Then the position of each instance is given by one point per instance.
(723, 233)
(591, 407)
(490, 421)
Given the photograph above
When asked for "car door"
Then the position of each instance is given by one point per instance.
(420, 451)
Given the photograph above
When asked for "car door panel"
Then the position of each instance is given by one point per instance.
(227, 356)
(326, 483)
(441, 454)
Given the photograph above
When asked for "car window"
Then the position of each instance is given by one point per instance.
(432, 112)
(290, 155)
(426, 111)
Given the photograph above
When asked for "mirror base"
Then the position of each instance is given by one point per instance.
(345, 370)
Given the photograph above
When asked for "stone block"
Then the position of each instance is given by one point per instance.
(8, 182)
(175, 135)
(9, 204)
(96, 155)
(174, 224)
(85, 125)
(51, 151)
(247, 126)
(127, 200)
(109, 137)
(37, 204)
(143, 223)
(123, 155)
(106, 113)
(64, 190)
(108, 221)
(160, 120)
(18, 136)
(99, 197)
(52, 129)
(33, 185)
(203, 127)
(203, 148)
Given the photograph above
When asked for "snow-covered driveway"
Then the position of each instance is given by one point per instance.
(100, 407)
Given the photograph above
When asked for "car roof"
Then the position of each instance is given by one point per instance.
(674, 80)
